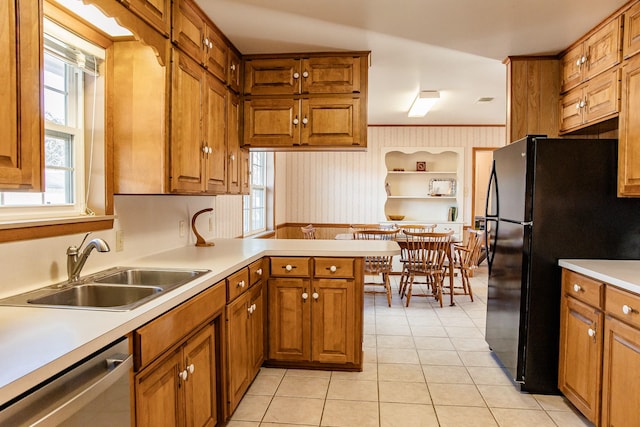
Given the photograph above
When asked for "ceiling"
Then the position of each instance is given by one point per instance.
(453, 46)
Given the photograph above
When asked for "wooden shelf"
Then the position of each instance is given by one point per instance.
(422, 197)
(423, 173)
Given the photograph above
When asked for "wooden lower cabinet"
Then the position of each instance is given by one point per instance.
(245, 347)
(621, 377)
(580, 367)
(315, 321)
(180, 389)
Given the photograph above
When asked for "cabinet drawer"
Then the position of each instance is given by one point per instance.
(623, 304)
(256, 272)
(334, 267)
(582, 288)
(290, 266)
(237, 283)
(155, 337)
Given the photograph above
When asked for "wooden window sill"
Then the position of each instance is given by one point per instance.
(12, 231)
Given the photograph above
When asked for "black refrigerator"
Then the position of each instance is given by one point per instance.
(548, 199)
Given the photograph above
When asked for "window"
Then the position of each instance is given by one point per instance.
(68, 70)
(255, 204)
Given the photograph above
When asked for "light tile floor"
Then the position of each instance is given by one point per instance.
(423, 366)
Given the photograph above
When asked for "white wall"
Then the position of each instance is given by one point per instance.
(346, 187)
(150, 225)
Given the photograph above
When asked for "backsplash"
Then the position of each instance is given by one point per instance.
(150, 224)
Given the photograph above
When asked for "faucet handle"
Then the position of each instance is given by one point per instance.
(73, 250)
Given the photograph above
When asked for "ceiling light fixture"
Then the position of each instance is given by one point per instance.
(423, 103)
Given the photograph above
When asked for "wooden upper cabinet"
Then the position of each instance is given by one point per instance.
(234, 70)
(21, 121)
(155, 12)
(331, 121)
(215, 135)
(331, 75)
(270, 122)
(272, 76)
(629, 131)
(234, 155)
(631, 40)
(198, 38)
(598, 53)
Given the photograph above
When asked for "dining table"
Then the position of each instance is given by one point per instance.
(402, 242)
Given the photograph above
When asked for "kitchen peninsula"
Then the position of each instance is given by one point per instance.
(37, 343)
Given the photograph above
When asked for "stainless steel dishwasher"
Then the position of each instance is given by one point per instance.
(94, 392)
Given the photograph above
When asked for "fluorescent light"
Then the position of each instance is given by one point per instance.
(423, 103)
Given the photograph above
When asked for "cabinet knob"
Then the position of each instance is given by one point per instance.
(305, 296)
(296, 121)
(240, 284)
(259, 272)
(296, 75)
(591, 332)
(233, 67)
(583, 59)
(333, 269)
(577, 106)
(251, 308)
(315, 295)
(627, 309)
(191, 368)
(576, 287)
(578, 62)
(254, 307)
(305, 74)
(183, 375)
(205, 42)
(288, 267)
(305, 121)
(232, 157)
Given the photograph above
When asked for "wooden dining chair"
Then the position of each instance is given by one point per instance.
(404, 256)
(309, 231)
(427, 253)
(379, 266)
(466, 259)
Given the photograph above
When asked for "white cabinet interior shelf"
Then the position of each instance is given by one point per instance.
(423, 183)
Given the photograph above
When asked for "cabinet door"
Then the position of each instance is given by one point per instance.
(187, 139)
(331, 121)
(602, 96)
(333, 321)
(603, 48)
(158, 401)
(237, 350)
(331, 75)
(629, 133)
(189, 29)
(621, 376)
(215, 131)
(571, 107)
(256, 329)
(234, 70)
(245, 172)
(572, 64)
(21, 120)
(631, 42)
(155, 12)
(581, 356)
(272, 76)
(271, 122)
(289, 319)
(200, 387)
(234, 157)
(215, 54)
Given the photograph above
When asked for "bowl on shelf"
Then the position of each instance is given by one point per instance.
(396, 217)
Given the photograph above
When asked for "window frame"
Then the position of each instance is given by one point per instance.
(247, 201)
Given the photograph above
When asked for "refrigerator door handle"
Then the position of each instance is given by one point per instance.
(491, 246)
(492, 190)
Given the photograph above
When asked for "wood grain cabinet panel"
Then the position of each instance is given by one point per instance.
(155, 12)
(21, 121)
(272, 76)
(621, 376)
(571, 63)
(289, 319)
(631, 34)
(629, 131)
(330, 75)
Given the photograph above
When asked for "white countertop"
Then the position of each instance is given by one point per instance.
(624, 274)
(36, 342)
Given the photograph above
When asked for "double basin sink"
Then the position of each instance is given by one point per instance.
(116, 289)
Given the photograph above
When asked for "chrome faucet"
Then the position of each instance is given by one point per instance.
(76, 259)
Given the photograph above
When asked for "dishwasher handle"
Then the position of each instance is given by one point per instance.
(117, 366)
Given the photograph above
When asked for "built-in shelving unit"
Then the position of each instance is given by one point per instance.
(423, 183)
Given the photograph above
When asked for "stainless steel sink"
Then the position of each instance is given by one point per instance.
(149, 277)
(116, 289)
(92, 295)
